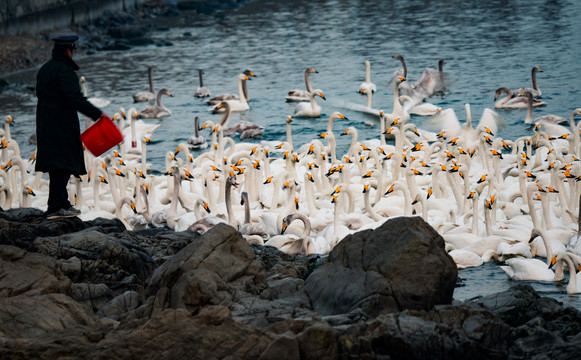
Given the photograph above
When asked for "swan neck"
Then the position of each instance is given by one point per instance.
(228, 200)
(150, 79)
(241, 93)
(534, 77)
(200, 76)
(308, 82)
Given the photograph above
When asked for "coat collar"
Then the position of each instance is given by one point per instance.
(59, 56)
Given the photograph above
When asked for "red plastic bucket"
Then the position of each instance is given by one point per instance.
(101, 136)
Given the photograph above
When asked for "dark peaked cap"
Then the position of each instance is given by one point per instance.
(65, 41)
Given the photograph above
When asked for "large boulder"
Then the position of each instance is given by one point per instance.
(215, 269)
(400, 265)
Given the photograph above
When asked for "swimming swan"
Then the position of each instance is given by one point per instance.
(309, 109)
(158, 111)
(510, 102)
(201, 91)
(146, 95)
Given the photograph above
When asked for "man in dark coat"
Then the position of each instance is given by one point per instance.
(59, 147)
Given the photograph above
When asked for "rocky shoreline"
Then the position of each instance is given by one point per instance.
(118, 31)
(74, 289)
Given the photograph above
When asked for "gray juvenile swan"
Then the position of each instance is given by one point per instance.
(510, 102)
(149, 96)
(302, 95)
(157, 111)
(201, 91)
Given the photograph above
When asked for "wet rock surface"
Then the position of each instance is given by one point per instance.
(94, 290)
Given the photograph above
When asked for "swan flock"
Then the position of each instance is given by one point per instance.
(488, 197)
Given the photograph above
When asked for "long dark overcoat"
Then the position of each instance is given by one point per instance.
(57, 122)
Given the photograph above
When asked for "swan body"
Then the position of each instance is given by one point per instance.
(424, 109)
(466, 258)
(527, 269)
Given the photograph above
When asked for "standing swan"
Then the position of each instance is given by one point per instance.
(146, 95)
(535, 91)
(302, 95)
(158, 111)
(201, 91)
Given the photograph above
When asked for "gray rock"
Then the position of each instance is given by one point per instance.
(120, 305)
(400, 265)
(93, 296)
(30, 316)
(217, 268)
(25, 273)
(104, 258)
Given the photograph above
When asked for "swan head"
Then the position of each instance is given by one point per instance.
(165, 91)
(319, 93)
(249, 73)
(8, 119)
(311, 71)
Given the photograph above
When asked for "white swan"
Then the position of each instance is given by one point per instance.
(146, 95)
(309, 109)
(527, 269)
(535, 91)
(201, 91)
(509, 102)
(367, 84)
(302, 95)
(157, 111)
(223, 97)
(236, 105)
(574, 285)
(97, 102)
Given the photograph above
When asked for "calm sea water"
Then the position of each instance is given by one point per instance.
(486, 44)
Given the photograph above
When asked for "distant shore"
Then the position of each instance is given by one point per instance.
(19, 53)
